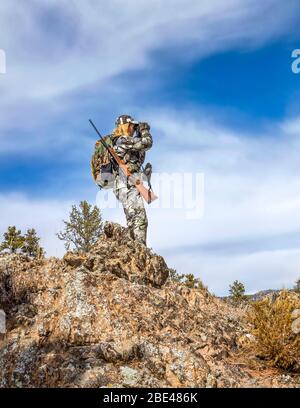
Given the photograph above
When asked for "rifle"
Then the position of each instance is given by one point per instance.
(147, 194)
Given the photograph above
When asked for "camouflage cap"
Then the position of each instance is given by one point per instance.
(121, 120)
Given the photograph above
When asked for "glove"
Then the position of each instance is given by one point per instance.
(125, 143)
(143, 126)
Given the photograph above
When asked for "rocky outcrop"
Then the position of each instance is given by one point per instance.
(112, 318)
(117, 253)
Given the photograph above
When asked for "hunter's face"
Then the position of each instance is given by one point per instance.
(131, 129)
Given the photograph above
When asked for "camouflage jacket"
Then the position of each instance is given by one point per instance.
(132, 150)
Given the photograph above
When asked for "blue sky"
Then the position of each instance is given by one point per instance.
(213, 79)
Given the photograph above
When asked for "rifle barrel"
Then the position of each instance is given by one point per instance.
(99, 134)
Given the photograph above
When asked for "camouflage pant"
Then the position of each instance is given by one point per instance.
(134, 210)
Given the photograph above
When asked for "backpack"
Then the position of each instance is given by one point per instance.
(101, 166)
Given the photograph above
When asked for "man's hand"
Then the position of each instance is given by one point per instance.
(143, 138)
(124, 143)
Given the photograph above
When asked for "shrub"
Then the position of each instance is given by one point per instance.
(28, 244)
(297, 286)
(13, 240)
(188, 280)
(31, 244)
(83, 228)
(273, 326)
(174, 276)
(237, 291)
(192, 282)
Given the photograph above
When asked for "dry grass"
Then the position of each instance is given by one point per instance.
(272, 326)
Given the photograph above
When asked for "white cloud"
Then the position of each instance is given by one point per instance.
(252, 203)
(58, 47)
(258, 271)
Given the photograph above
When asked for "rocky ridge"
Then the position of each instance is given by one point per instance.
(112, 318)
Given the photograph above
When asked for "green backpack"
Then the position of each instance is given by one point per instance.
(101, 166)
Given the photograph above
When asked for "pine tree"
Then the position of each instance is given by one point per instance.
(297, 286)
(190, 280)
(13, 240)
(237, 291)
(83, 228)
(41, 253)
(174, 276)
(31, 245)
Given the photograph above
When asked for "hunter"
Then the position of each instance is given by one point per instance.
(130, 140)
